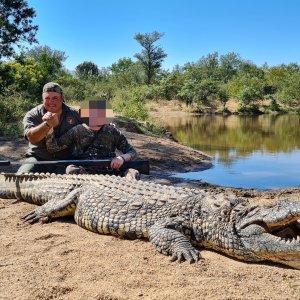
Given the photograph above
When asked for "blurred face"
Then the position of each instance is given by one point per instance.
(53, 101)
(96, 113)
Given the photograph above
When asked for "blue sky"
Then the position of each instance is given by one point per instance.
(103, 31)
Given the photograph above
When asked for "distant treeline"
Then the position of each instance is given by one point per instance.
(128, 83)
(211, 81)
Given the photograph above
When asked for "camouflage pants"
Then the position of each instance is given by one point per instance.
(130, 174)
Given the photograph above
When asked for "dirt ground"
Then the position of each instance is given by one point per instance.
(60, 260)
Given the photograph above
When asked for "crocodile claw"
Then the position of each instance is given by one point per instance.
(34, 216)
(190, 255)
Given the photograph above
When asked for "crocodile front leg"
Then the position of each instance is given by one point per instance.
(55, 209)
(169, 241)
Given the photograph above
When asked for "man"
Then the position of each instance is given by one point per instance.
(95, 139)
(52, 114)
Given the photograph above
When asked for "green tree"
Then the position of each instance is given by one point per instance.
(249, 69)
(15, 26)
(248, 76)
(290, 93)
(199, 91)
(208, 66)
(22, 76)
(131, 103)
(75, 89)
(230, 63)
(6, 77)
(171, 84)
(283, 81)
(127, 75)
(249, 95)
(87, 69)
(223, 96)
(122, 66)
(49, 60)
(151, 56)
(27, 74)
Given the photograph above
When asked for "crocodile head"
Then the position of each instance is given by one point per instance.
(271, 231)
(250, 231)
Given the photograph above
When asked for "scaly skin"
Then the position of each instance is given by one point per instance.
(171, 218)
(41, 188)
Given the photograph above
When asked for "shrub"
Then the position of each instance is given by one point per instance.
(13, 108)
(130, 104)
(249, 109)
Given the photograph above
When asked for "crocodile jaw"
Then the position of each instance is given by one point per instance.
(267, 246)
(273, 233)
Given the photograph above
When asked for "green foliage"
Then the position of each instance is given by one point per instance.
(130, 84)
(151, 56)
(229, 64)
(48, 64)
(246, 88)
(123, 65)
(47, 56)
(76, 90)
(50, 61)
(170, 85)
(15, 26)
(274, 106)
(11, 130)
(276, 77)
(13, 108)
(199, 91)
(251, 109)
(223, 96)
(130, 104)
(6, 77)
(290, 93)
(208, 67)
(132, 75)
(248, 95)
(285, 83)
(20, 76)
(248, 69)
(87, 69)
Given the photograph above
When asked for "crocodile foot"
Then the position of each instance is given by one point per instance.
(36, 215)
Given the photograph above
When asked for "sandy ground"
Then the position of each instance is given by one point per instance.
(60, 260)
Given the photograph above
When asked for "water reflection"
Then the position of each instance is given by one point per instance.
(232, 137)
(242, 143)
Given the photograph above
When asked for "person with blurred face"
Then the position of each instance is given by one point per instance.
(95, 138)
(53, 114)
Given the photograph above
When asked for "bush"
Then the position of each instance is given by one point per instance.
(11, 130)
(13, 108)
(249, 109)
(130, 104)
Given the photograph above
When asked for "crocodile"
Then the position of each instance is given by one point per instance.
(177, 221)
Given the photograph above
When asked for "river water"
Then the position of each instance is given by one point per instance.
(260, 152)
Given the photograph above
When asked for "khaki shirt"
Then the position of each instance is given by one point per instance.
(69, 118)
